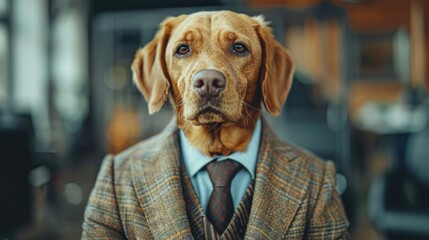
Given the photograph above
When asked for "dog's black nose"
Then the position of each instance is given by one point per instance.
(208, 83)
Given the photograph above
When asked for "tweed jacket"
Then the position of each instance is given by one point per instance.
(138, 194)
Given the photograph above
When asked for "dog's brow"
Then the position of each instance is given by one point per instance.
(229, 35)
(190, 36)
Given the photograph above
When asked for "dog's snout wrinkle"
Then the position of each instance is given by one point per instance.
(208, 83)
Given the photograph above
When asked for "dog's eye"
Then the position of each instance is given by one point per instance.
(240, 48)
(182, 50)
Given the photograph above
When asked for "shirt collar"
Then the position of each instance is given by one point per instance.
(195, 161)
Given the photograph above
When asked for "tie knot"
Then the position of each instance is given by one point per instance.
(221, 173)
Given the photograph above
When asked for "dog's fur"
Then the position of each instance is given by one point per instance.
(262, 75)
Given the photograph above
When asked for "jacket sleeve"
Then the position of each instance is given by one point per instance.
(102, 219)
(327, 220)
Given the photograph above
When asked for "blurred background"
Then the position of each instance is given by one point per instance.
(359, 98)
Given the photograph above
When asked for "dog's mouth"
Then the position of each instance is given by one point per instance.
(209, 116)
(209, 109)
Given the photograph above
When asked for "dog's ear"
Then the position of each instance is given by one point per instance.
(149, 67)
(276, 70)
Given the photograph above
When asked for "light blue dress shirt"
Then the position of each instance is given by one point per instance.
(196, 161)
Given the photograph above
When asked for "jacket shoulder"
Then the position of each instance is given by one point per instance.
(313, 170)
(311, 161)
(141, 151)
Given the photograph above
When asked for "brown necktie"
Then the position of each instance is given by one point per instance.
(220, 208)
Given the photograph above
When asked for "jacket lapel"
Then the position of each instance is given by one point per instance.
(157, 184)
(278, 191)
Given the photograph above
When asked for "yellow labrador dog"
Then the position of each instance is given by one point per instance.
(217, 68)
(242, 57)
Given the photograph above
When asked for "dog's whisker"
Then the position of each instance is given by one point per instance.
(246, 104)
(186, 127)
(180, 112)
(179, 103)
(243, 119)
(250, 116)
(212, 127)
(218, 129)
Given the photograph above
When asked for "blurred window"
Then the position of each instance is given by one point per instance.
(4, 7)
(69, 66)
(4, 65)
(4, 54)
(30, 64)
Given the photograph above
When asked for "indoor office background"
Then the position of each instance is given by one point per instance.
(359, 98)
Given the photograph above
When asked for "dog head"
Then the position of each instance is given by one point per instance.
(217, 67)
(214, 62)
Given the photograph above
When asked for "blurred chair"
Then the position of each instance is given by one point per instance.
(398, 201)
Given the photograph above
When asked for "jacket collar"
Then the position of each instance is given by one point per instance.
(195, 160)
(157, 184)
(275, 200)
